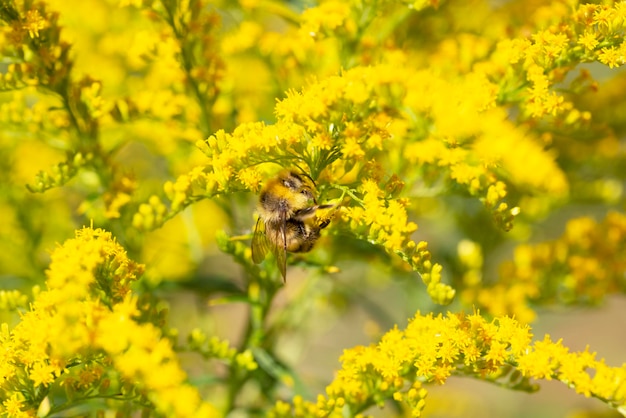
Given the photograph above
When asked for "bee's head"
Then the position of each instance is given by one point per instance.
(300, 185)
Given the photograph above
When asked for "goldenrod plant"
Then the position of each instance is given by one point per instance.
(461, 166)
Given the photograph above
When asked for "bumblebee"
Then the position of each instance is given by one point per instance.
(288, 218)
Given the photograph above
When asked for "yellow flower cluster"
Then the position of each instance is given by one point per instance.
(343, 130)
(472, 140)
(579, 370)
(396, 108)
(341, 116)
(582, 267)
(329, 16)
(568, 35)
(383, 221)
(319, 42)
(433, 348)
(34, 23)
(85, 321)
(73, 114)
(184, 55)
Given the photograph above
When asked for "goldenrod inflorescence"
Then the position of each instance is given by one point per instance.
(463, 153)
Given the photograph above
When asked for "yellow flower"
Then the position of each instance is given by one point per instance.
(64, 324)
(603, 17)
(34, 23)
(251, 178)
(327, 16)
(352, 148)
(552, 44)
(42, 374)
(13, 405)
(436, 346)
(589, 40)
(515, 333)
(322, 141)
(585, 257)
(611, 56)
(497, 353)
(574, 370)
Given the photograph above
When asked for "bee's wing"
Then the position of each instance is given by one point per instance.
(278, 243)
(259, 242)
(281, 254)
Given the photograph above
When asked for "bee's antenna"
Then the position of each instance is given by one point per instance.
(304, 173)
(310, 178)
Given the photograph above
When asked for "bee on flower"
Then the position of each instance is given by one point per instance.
(288, 219)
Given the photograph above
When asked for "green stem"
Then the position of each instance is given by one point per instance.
(347, 191)
(254, 337)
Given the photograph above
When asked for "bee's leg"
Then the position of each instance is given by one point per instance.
(305, 213)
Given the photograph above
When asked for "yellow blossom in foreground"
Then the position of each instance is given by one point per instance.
(432, 348)
(491, 119)
(88, 314)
